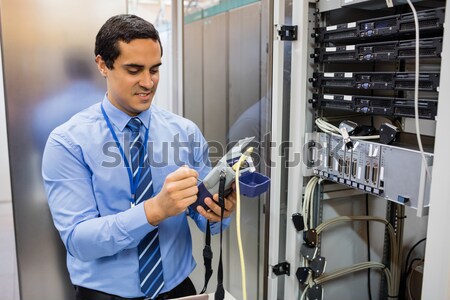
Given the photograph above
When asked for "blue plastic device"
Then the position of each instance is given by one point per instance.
(251, 183)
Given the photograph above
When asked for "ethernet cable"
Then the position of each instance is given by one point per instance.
(416, 88)
(238, 219)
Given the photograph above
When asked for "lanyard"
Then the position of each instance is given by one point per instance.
(133, 183)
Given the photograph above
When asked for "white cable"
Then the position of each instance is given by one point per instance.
(309, 283)
(356, 268)
(341, 219)
(331, 129)
(305, 209)
(394, 248)
(238, 221)
(304, 293)
(348, 270)
(311, 196)
(416, 90)
(308, 208)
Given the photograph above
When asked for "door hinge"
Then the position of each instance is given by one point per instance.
(283, 268)
(288, 32)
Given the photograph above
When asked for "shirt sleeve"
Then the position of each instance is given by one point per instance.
(85, 233)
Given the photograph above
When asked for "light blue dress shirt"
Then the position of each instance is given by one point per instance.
(89, 197)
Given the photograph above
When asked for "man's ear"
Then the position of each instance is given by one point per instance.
(101, 65)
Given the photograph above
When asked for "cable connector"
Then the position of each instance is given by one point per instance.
(310, 237)
(302, 274)
(222, 181)
(318, 265)
(308, 252)
(315, 292)
(298, 221)
(388, 133)
(223, 174)
(346, 138)
(246, 161)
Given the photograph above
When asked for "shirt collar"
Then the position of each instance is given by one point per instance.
(119, 118)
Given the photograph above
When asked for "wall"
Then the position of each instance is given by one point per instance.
(9, 286)
(160, 15)
(222, 95)
(48, 58)
(5, 183)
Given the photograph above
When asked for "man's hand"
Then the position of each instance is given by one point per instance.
(213, 214)
(178, 192)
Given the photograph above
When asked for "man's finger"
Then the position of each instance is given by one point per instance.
(182, 173)
(208, 215)
(182, 184)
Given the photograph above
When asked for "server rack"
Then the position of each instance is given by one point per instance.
(333, 101)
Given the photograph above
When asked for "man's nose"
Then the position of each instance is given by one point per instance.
(146, 80)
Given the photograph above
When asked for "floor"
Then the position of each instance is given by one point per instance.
(9, 287)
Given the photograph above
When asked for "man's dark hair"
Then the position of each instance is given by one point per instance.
(123, 28)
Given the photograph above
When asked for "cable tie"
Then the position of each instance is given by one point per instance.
(404, 217)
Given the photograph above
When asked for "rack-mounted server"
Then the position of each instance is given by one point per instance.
(373, 105)
(430, 22)
(378, 51)
(375, 80)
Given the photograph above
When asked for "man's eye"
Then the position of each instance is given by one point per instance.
(156, 71)
(133, 72)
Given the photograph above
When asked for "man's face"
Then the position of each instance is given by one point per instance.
(132, 83)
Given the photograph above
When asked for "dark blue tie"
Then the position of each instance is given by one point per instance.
(150, 264)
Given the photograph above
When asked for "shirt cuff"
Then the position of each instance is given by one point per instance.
(135, 223)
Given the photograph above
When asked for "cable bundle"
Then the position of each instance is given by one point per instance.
(348, 270)
(308, 205)
(392, 273)
(327, 127)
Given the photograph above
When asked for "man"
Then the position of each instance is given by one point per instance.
(108, 210)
